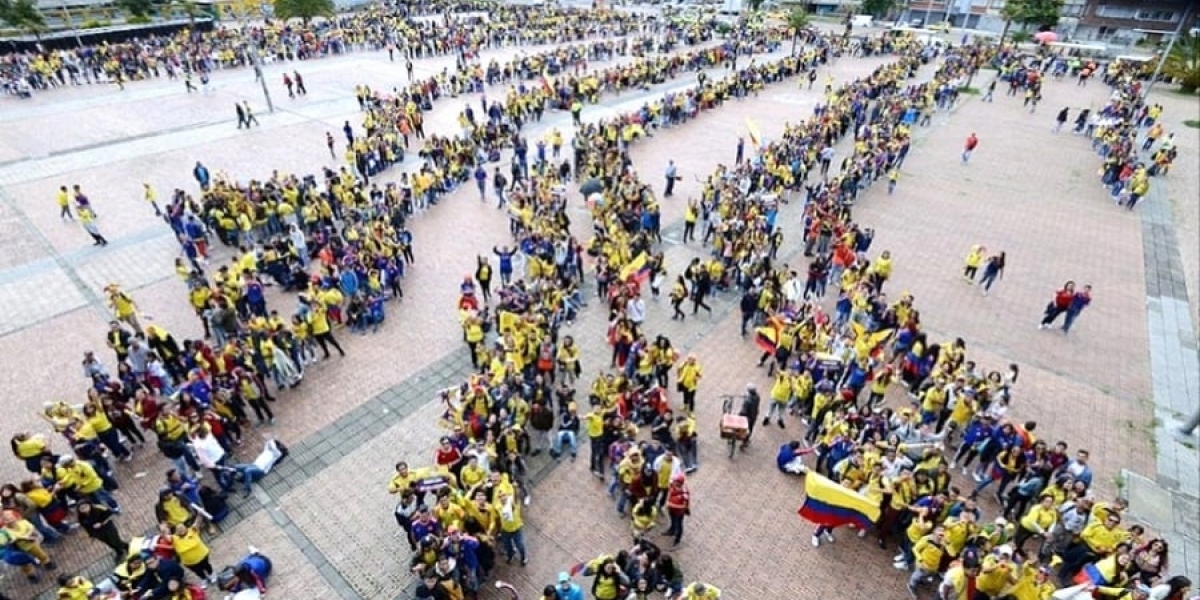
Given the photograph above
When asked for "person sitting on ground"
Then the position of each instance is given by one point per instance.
(273, 452)
(790, 458)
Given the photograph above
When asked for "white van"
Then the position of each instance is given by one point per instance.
(858, 21)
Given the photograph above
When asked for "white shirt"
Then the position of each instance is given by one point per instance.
(636, 310)
(208, 451)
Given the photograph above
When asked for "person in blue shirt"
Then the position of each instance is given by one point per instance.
(567, 589)
(789, 459)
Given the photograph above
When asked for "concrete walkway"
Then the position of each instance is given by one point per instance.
(1170, 503)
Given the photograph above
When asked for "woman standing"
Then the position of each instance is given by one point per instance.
(1059, 305)
(191, 550)
(688, 381)
(1150, 562)
(679, 293)
(993, 268)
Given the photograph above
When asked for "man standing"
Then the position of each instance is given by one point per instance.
(97, 521)
(750, 406)
(679, 502)
(241, 115)
(969, 147)
(287, 82)
(1079, 301)
(671, 175)
(329, 144)
(250, 118)
(300, 89)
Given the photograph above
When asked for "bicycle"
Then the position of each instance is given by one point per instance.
(734, 427)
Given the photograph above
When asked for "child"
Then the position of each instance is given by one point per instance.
(973, 260)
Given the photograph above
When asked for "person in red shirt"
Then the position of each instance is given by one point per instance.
(1059, 305)
(679, 503)
(969, 147)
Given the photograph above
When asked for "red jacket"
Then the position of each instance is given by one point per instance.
(1062, 299)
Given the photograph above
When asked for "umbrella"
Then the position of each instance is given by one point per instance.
(591, 186)
(1045, 37)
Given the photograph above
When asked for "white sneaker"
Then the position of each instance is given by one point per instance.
(898, 558)
(816, 541)
(829, 536)
(966, 472)
(862, 533)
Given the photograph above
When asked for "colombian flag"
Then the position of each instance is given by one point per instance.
(1091, 575)
(767, 338)
(638, 269)
(755, 136)
(829, 504)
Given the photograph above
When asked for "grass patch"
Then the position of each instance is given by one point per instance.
(1193, 123)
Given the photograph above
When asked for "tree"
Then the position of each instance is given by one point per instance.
(136, 8)
(754, 5)
(1183, 63)
(797, 21)
(187, 7)
(24, 15)
(877, 8)
(305, 10)
(1038, 13)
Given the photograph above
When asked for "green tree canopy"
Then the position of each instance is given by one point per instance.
(797, 21)
(878, 8)
(1183, 63)
(1035, 13)
(136, 8)
(24, 15)
(305, 10)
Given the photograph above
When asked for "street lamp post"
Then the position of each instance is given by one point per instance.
(1162, 60)
(71, 20)
(258, 72)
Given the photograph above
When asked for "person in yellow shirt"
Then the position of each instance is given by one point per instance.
(700, 591)
(123, 307)
(927, 558)
(958, 582)
(318, 321)
(149, 194)
(1033, 582)
(972, 262)
(23, 536)
(689, 375)
(64, 204)
(192, 551)
(1100, 538)
(512, 527)
(1038, 521)
(74, 588)
(644, 517)
(997, 572)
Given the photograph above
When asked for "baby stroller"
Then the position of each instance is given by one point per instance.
(246, 580)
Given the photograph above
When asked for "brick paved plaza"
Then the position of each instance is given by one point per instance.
(325, 517)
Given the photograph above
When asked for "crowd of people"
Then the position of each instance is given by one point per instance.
(834, 372)
(466, 507)
(343, 246)
(432, 29)
(537, 83)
